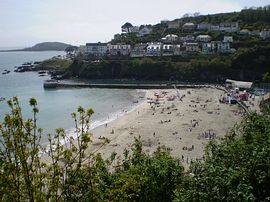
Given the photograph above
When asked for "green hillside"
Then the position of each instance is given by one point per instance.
(48, 46)
(253, 19)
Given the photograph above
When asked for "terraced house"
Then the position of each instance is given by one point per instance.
(96, 49)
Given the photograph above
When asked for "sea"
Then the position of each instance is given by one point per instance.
(56, 105)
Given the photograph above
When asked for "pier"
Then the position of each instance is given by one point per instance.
(55, 84)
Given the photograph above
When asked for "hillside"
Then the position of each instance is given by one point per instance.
(48, 46)
(252, 19)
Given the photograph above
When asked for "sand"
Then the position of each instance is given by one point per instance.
(184, 125)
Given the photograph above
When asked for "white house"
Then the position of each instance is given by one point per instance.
(170, 38)
(96, 49)
(244, 32)
(119, 49)
(208, 48)
(154, 49)
(265, 34)
(203, 38)
(223, 47)
(204, 26)
(189, 26)
(187, 38)
(214, 28)
(228, 39)
(229, 27)
(171, 49)
(191, 47)
(216, 47)
(139, 50)
(144, 31)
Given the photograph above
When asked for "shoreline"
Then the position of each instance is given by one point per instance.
(177, 124)
(139, 97)
(183, 120)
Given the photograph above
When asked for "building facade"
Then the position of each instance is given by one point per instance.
(153, 49)
(228, 39)
(171, 49)
(265, 34)
(119, 50)
(229, 27)
(144, 31)
(192, 47)
(189, 26)
(96, 49)
(139, 50)
(203, 38)
(204, 26)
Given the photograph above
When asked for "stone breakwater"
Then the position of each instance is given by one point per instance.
(55, 84)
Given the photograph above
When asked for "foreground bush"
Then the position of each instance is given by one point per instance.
(237, 169)
(68, 173)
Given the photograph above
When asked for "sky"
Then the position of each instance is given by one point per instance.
(24, 23)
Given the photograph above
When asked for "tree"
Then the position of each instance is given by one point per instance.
(25, 174)
(266, 77)
(64, 171)
(126, 28)
(71, 49)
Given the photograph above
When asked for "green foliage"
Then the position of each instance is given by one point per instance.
(259, 16)
(253, 61)
(54, 64)
(237, 169)
(67, 172)
(266, 77)
(156, 176)
(248, 63)
(71, 49)
(26, 172)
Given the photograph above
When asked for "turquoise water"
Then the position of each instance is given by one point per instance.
(56, 105)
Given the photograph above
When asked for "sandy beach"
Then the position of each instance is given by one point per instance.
(183, 120)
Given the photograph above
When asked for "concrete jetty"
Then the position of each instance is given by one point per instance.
(56, 84)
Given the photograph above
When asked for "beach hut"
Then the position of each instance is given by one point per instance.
(241, 85)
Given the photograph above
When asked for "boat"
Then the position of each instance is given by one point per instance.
(2, 99)
(24, 67)
(6, 71)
